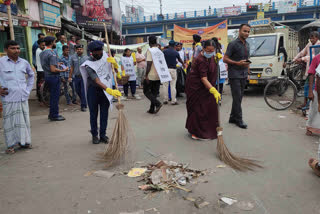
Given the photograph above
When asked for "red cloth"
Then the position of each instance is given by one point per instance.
(202, 120)
(314, 64)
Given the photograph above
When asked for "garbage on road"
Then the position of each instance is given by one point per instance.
(228, 201)
(200, 203)
(136, 172)
(167, 175)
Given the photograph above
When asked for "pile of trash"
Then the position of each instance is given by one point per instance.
(165, 176)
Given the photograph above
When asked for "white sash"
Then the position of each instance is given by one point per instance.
(160, 64)
(104, 72)
(223, 70)
(127, 63)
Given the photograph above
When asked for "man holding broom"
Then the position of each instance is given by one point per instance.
(97, 73)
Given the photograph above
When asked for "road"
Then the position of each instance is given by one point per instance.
(50, 179)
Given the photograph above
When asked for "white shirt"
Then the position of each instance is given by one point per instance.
(38, 62)
(182, 55)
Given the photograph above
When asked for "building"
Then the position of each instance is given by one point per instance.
(29, 18)
(134, 12)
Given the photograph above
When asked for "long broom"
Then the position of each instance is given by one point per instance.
(118, 144)
(237, 163)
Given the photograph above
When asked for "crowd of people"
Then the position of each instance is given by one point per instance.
(200, 74)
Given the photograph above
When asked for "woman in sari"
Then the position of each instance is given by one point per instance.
(313, 124)
(202, 96)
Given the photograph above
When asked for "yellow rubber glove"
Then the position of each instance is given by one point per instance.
(115, 93)
(215, 93)
(219, 56)
(119, 76)
(113, 62)
(123, 73)
(134, 56)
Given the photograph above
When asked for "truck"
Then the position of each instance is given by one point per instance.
(267, 40)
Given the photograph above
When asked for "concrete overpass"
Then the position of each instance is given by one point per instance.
(136, 31)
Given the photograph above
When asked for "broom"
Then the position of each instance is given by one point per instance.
(237, 163)
(118, 144)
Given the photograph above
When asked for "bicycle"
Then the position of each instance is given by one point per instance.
(45, 91)
(281, 93)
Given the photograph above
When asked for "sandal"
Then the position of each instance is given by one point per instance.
(27, 146)
(10, 151)
(313, 164)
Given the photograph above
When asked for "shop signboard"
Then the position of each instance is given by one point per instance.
(50, 15)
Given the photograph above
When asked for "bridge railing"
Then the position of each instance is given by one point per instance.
(215, 12)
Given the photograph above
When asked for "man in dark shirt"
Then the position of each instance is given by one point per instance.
(34, 50)
(236, 56)
(171, 56)
(49, 63)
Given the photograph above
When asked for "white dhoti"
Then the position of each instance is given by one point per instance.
(16, 123)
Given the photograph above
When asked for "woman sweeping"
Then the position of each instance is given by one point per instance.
(202, 97)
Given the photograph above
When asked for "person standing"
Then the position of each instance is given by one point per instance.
(197, 46)
(313, 123)
(60, 44)
(15, 90)
(222, 68)
(72, 45)
(98, 72)
(181, 74)
(128, 63)
(151, 83)
(236, 56)
(40, 73)
(49, 63)
(34, 49)
(304, 57)
(65, 63)
(171, 57)
(202, 96)
(75, 62)
(141, 66)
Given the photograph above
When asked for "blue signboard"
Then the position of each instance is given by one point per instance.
(260, 22)
(50, 15)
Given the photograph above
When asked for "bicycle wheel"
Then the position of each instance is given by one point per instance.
(45, 93)
(280, 94)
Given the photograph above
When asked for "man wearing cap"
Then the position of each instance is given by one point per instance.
(75, 62)
(98, 73)
(49, 63)
(171, 56)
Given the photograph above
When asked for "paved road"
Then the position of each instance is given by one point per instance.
(50, 179)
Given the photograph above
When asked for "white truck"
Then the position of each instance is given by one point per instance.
(266, 50)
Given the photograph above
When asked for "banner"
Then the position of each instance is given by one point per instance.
(220, 31)
(232, 11)
(287, 6)
(92, 14)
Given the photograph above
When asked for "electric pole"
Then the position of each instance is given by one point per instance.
(160, 7)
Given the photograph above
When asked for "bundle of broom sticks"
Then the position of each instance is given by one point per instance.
(237, 163)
